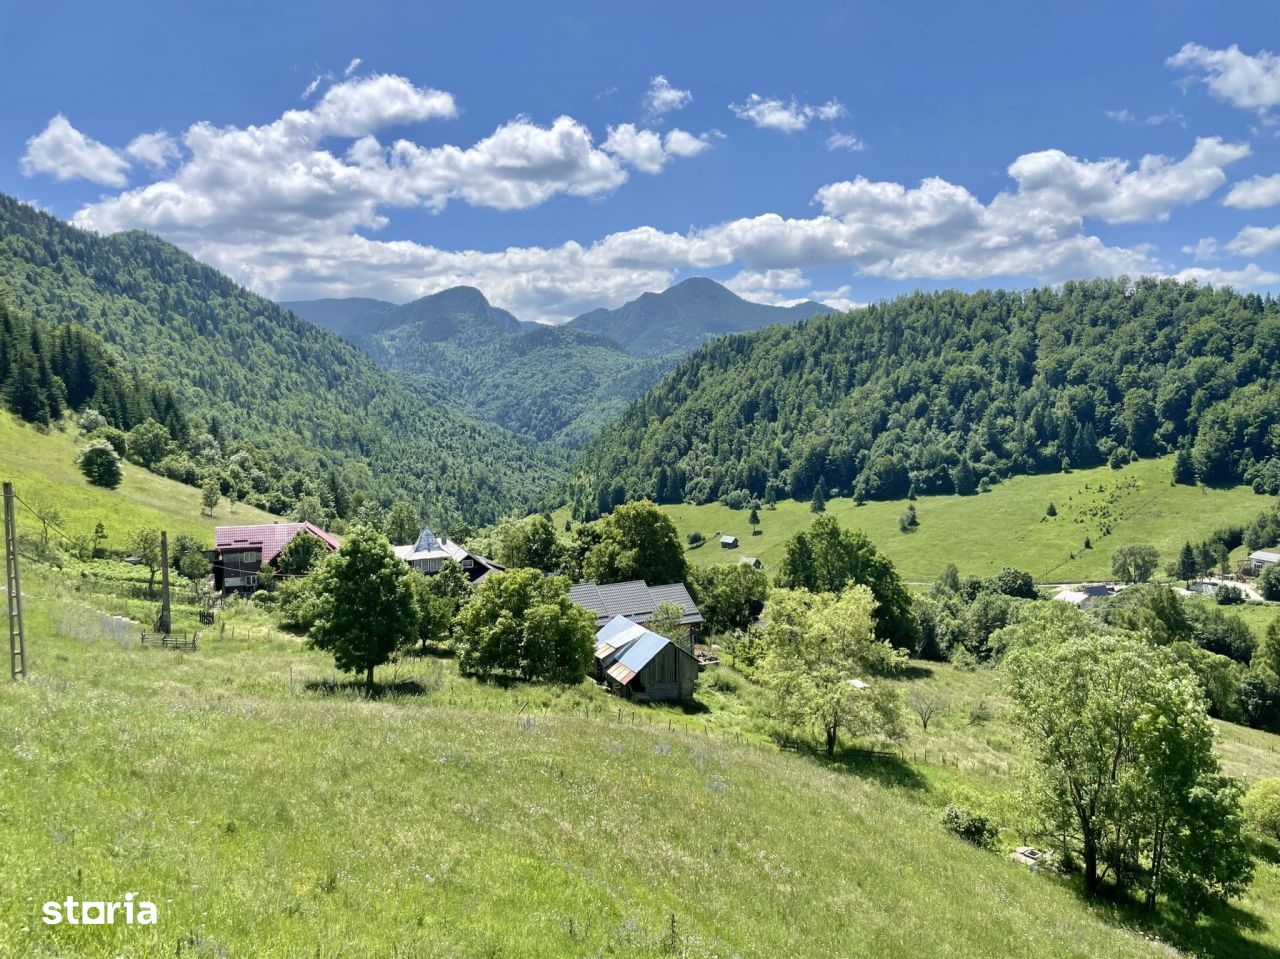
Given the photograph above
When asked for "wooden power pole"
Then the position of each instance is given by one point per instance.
(164, 623)
(13, 589)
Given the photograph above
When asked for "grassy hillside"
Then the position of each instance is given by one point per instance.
(1005, 527)
(42, 468)
(267, 818)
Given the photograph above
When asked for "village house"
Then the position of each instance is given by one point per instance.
(240, 552)
(636, 601)
(637, 663)
(431, 552)
(752, 561)
(728, 541)
(1259, 559)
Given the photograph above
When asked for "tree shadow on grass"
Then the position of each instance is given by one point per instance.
(1219, 933)
(916, 670)
(356, 687)
(884, 768)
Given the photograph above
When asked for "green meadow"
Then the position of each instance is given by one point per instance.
(42, 468)
(1007, 526)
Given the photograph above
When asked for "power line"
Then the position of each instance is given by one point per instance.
(45, 522)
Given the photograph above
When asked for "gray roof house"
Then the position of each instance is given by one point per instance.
(431, 552)
(634, 600)
(638, 663)
(728, 541)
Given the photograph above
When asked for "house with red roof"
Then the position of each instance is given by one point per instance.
(240, 552)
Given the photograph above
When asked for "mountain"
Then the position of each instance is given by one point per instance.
(549, 383)
(682, 318)
(952, 392)
(308, 413)
(562, 384)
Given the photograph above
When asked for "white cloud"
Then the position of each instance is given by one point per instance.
(1255, 193)
(154, 149)
(1111, 191)
(662, 97)
(311, 88)
(352, 67)
(1120, 116)
(1205, 249)
(65, 153)
(841, 298)
(765, 286)
(1255, 240)
(1250, 276)
(845, 141)
(789, 116)
(1247, 82)
(288, 210)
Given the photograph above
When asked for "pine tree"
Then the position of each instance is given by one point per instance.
(754, 520)
(1187, 567)
(819, 502)
(1184, 470)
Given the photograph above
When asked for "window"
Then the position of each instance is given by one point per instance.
(468, 563)
(250, 556)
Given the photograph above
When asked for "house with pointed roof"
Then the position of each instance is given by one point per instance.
(635, 600)
(637, 663)
(431, 552)
(240, 552)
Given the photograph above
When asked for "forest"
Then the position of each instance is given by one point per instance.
(318, 417)
(952, 392)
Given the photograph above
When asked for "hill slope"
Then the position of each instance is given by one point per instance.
(256, 372)
(1006, 527)
(267, 820)
(940, 392)
(684, 317)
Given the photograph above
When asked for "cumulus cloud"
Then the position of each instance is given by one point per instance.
(1255, 193)
(65, 153)
(288, 207)
(1250, 82)
(662, 97)
(154, 149)
(789, 116)
(1111, 191)
(1255, 240)
(1245, 278)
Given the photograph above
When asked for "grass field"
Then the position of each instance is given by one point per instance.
(267, 813)
(42, 468)
(1005, 527)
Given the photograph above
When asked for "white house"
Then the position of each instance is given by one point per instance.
(1259, 559)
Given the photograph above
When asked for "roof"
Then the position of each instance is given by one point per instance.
(1265, 556)
(270, 538)
(1073, 596)
(430, 546)
(635, 600)
(749, 561)
(728, 538)
(624, 648)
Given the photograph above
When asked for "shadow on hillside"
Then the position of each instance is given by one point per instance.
(1220, 933)
(356, 687)
(887, 769)
(916, 670)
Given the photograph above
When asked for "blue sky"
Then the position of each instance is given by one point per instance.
(570, 158)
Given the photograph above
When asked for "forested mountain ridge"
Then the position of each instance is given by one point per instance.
(551, 383)
(314, 413)
(949, 391)
(682, 318)
(556, 383)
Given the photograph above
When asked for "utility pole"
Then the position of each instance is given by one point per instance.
(13, 589)
(164, 623)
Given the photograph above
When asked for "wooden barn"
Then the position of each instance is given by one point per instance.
(638, 663)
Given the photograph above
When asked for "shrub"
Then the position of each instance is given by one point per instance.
(1269, 582)
(101, 465)
(695, 539)
(1262, 807)
(1228, 595)
(970, 826)
(723, 680)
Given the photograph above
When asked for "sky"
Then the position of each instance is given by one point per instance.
(563, 157)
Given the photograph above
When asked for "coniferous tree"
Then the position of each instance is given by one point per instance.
(819, 502)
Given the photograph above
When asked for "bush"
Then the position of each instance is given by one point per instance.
(1262, 807)
(695, 539)
(970, 826)
(1228, 595)
(101, 465)
(1269, 582)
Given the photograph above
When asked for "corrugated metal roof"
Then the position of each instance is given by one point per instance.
(1265, 556)
(625, 648)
